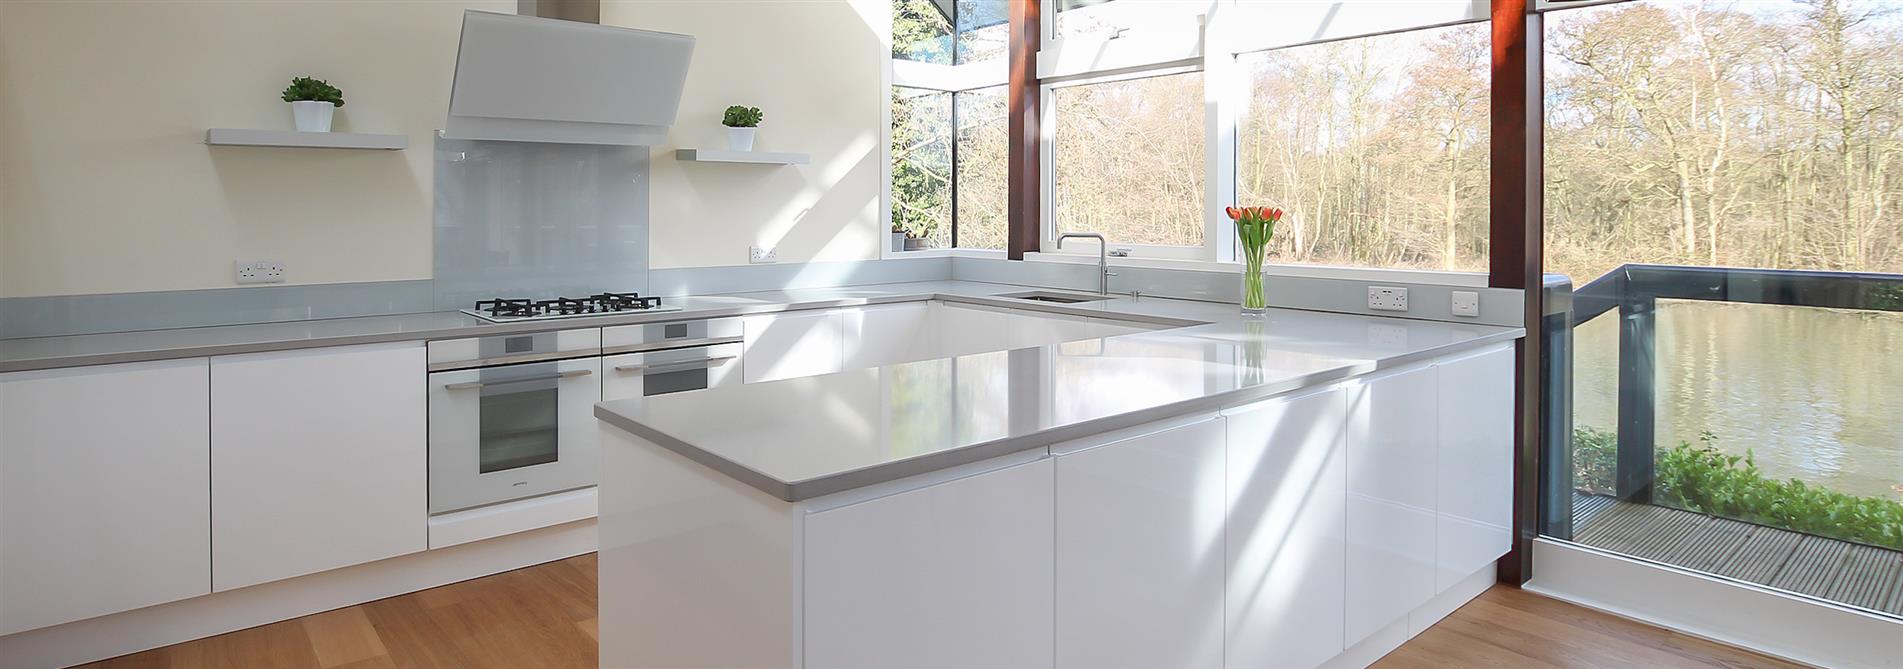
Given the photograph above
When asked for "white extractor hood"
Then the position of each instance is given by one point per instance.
(529, 79)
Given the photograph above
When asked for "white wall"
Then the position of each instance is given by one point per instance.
(816, 69)
(106, 184)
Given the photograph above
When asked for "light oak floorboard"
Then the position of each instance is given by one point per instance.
(544, 617)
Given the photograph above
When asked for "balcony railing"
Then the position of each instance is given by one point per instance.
(1848, 572)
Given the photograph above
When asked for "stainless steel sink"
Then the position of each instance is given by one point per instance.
(1058, 298)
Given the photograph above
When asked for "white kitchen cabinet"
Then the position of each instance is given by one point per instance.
(1392, 466)
(1286, 532)
(1139, 532)
(888, 334)
(104, 486)
(792, 345)
(1475, 486)
(952, 576)
(319, 460)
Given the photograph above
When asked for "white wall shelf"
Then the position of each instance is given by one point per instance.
(306, 140)
(751, 157)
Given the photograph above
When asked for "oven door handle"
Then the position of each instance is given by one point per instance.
(703, 363)
(472, 385)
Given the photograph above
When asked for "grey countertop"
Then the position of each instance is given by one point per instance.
(100, 349)
(800, 438)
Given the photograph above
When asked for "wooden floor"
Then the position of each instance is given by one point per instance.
(1862, 576)
(544, 616)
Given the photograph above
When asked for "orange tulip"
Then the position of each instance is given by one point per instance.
(1233, 213)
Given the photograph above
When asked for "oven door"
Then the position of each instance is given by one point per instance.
(672, 371)
(505, 433)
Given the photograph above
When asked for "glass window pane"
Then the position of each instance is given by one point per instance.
(982, 191)
(921, 31)
(1377, 147)
(1129, 160)
(1736, 154)
(984, 28)
(924, 30)
(921, 167)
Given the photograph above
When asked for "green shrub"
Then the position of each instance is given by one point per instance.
(314, 90)
(1703, 479)
(1595, 460)
(741, 117)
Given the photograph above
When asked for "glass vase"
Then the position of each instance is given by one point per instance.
(1255, 300)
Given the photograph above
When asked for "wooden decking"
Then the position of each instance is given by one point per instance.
(1854, 574)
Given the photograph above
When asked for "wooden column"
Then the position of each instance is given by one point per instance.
(1515, 251)
(1024, 204)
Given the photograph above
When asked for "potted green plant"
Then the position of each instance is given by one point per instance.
(898, 237)
(741, 122)
(313, 102)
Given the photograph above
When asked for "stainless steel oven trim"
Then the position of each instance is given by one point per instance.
(509, 360)
(681, 366)
(670, 344)
(472, 385)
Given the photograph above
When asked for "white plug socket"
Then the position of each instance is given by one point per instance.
(247, 272)
(1466, 303)
(762, 255)
(1387, 298)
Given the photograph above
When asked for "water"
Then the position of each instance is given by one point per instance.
(1816, 394)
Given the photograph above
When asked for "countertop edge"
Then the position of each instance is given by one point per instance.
(805, 489)
(483, 329)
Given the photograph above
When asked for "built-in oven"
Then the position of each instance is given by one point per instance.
(664, 358)
(512, 417)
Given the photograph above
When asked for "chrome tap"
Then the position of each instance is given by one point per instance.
(1103, 258)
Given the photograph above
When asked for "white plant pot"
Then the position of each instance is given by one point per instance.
(312, 115)
(740, 139)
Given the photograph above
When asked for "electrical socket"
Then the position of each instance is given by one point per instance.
(258, 271)
(1466, 303)
(761, 255)
(1387, 298)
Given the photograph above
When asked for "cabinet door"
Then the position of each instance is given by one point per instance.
(888, 334)
(1286, 535)
(319, 461)
(1139, 522)
(953, 576)
(1475, 506)
(1392, 463)
(104, 490)
(785, 346)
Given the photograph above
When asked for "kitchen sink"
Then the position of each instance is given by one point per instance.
(1058, 298)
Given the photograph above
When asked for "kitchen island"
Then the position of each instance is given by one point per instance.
(1298, 490)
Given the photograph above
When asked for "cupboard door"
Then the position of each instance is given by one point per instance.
(1392, 465)
(104, 490)
(1286, 534)
(953, 576)
(792, 345)
(888, 334)
(1139, 523)
(319, 460)
(1475, 508)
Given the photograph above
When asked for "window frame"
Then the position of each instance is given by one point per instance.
(938, 78)
(1222, 37)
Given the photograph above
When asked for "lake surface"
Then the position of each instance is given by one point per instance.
(1816, 394)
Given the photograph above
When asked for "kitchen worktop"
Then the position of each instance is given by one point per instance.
(800, 438)
(119, 347)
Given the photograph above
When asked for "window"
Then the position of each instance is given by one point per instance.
(922, 167)
(1376, 146)
(947, 142)
(1129, 160)
(980, 172)
(1716, 189)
